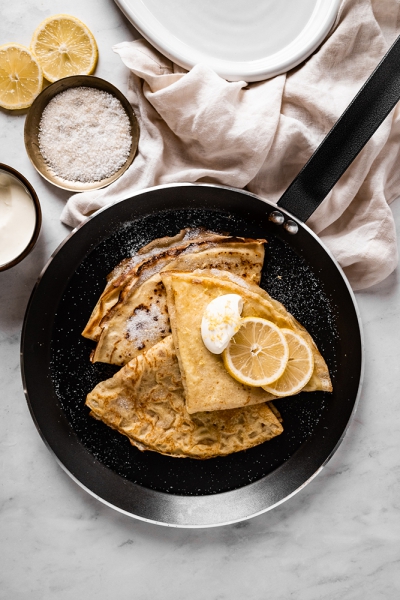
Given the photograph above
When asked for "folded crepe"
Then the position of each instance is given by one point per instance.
(145, 402)
(127, 272)
(207, 384)
(131, 314)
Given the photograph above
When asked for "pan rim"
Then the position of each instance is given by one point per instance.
(231, 492)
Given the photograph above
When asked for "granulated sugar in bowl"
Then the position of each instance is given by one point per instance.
(84, 135)
(81, 137)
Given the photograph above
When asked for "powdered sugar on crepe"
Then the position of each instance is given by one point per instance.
(147, 323)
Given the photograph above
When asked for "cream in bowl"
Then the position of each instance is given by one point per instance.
(20, 217)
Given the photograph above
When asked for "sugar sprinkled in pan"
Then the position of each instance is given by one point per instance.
(84, 135)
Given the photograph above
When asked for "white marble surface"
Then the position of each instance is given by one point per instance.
(336, 539)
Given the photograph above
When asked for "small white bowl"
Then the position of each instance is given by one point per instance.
(31, 241)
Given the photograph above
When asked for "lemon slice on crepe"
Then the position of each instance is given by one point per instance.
(298, 370)
(258, 353)
(64, 46)
(21, 77)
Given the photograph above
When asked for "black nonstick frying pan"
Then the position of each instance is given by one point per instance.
(299, 271)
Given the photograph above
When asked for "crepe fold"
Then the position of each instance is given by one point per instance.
(131, 315)
(207, 385)
(145, 401)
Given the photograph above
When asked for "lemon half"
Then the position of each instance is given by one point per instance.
(64, 46)
(21, 77)
(258, 353)
(298, 370)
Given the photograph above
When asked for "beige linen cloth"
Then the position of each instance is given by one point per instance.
(197, 127)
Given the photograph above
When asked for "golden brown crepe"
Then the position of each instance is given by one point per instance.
(320, 379)
(207, 384)
(127, 272)
(145, 402)
(131, 316)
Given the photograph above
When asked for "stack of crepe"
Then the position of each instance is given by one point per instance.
(172, 395)
(131, 315)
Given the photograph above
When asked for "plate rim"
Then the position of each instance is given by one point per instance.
(309, 38)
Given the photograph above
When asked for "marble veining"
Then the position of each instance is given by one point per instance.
(336, 539)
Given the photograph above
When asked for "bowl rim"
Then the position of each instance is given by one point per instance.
(34, 115)
(38, 217)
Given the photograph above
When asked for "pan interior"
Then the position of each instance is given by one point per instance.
(286, 276)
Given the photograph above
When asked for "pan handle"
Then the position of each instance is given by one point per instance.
(348, 136)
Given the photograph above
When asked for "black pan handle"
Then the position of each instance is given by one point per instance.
(348, 136)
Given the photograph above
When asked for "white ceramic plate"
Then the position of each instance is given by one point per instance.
(248, 40)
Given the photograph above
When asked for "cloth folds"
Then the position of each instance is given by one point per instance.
(197, 127)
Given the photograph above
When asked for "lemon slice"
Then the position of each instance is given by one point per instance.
(298, 370)
(21, 77)
(257, 354)
(64, 46)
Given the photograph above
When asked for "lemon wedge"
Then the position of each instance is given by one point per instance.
(64, 46)
(257, 354)
(21, 77)
(298, 370)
